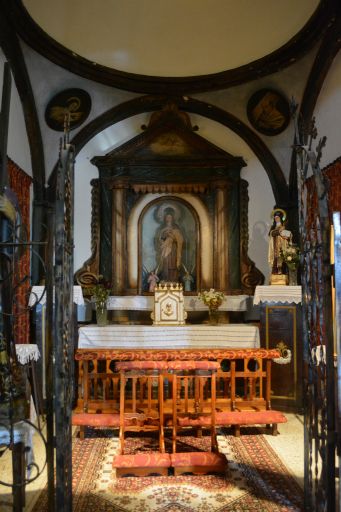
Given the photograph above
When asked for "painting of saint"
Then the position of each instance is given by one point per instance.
(73, 105)
(169, 244)
(268, 112)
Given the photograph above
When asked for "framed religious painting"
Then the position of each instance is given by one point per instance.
(169, 244)
(268, 112)
(73, 104)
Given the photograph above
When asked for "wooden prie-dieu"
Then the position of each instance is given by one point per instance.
(243, 385)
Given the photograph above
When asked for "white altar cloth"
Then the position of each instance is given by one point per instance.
(38, 296)
(281, 294)
(146, 303)
(178, 337)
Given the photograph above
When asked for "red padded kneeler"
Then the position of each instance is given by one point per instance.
(238, 418)
(142, 464)
(249, 418)
(198, 462)
(95, 419)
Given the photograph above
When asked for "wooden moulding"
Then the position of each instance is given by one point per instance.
(171, 355)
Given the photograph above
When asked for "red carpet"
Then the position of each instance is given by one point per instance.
(255, 480)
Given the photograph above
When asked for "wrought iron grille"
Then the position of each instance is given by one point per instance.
(318, 360)
(16, 429)
(63, 328)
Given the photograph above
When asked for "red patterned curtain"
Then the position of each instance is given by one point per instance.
(332, 174)
(20, 183)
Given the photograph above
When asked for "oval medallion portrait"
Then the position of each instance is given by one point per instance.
(73, 103)
(268, 112)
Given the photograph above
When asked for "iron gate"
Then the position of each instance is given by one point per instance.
(318, 342)
(60, 337)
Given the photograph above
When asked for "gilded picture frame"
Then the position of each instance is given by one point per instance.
(169, 244)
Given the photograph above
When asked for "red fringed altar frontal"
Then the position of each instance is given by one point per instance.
(20, 183)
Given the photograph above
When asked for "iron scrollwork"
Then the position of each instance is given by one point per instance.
(319, 388)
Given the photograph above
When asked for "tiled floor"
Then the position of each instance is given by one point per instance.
(288, 445)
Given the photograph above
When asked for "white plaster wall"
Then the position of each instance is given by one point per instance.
(48, 80)
(17, 147)
(328, 113)
(290, 82)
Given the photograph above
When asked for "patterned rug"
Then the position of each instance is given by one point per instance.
(255, 479)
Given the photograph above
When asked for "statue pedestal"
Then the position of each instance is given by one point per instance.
(280, 327)
(279, 279)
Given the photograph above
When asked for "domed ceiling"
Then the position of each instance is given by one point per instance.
(175, 38)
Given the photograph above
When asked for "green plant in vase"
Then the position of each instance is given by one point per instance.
(99, 295)
(213, 300)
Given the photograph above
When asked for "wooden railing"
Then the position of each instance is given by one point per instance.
(243, 382)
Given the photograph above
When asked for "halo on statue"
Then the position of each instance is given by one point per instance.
(162, 210)
(283, 213)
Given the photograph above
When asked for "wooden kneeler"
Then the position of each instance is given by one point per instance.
(191, 407)
(142, 464)
(237, 419)
(147, 411)
(87, 419)
(198, 463)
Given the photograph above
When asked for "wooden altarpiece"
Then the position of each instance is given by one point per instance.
(170, 172)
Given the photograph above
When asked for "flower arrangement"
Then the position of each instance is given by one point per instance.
(100, 293)
(212, 298)
(291, 256)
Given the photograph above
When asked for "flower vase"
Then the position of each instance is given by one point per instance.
(213, 316)
(101, 314)
(292, 276)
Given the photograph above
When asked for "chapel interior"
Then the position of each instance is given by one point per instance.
(170, 248)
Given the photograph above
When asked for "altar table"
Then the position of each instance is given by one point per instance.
(144, 337)
(278, 294)
(192, 303)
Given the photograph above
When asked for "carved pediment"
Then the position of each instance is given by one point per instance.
(168, 138)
